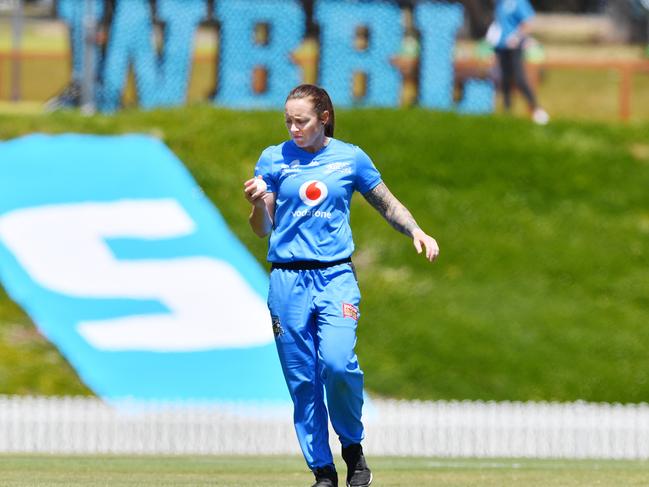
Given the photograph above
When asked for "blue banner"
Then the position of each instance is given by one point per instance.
(124, 264)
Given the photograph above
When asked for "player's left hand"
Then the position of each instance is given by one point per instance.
(423, 241)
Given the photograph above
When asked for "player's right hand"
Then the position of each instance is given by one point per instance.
(255, 190)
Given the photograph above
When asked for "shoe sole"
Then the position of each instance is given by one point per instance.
(366, 485)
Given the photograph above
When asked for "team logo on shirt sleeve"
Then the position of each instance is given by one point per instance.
(313, 192)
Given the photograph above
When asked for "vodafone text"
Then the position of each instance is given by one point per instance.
(312, 213)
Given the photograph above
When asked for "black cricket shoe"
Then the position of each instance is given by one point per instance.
(358, 473)
(325, 476)
(70, 97)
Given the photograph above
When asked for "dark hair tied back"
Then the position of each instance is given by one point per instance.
(321, 103)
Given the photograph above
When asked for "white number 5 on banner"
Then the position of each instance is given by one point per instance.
(62, 248)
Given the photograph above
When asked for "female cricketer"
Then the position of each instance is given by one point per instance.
(301, 195)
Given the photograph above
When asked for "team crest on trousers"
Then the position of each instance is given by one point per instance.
(350, 311)
(277, 327)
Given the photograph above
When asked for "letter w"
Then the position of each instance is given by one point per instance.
(161, 79)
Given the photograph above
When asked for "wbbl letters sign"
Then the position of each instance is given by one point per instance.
(123, 263)
(162, 79)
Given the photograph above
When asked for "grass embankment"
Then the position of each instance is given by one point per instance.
(541, 290)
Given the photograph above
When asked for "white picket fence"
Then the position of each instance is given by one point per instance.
(74, 425)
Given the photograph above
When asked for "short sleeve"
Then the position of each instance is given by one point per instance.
(367, 176)
(525, 10)
(264, 168)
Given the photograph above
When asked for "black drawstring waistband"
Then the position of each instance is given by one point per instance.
(307, 265)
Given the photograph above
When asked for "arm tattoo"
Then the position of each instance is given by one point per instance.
(391, 209)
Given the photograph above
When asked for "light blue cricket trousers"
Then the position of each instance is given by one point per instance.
(315, 332)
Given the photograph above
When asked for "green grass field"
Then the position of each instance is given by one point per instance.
(541, 289)
(33, 471)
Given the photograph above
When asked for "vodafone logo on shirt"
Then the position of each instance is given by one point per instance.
(313, 192)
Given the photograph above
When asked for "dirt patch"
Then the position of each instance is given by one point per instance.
(640, 152)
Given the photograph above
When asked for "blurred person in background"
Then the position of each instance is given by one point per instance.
(71, 95)
(301, 196)
(509, 35)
